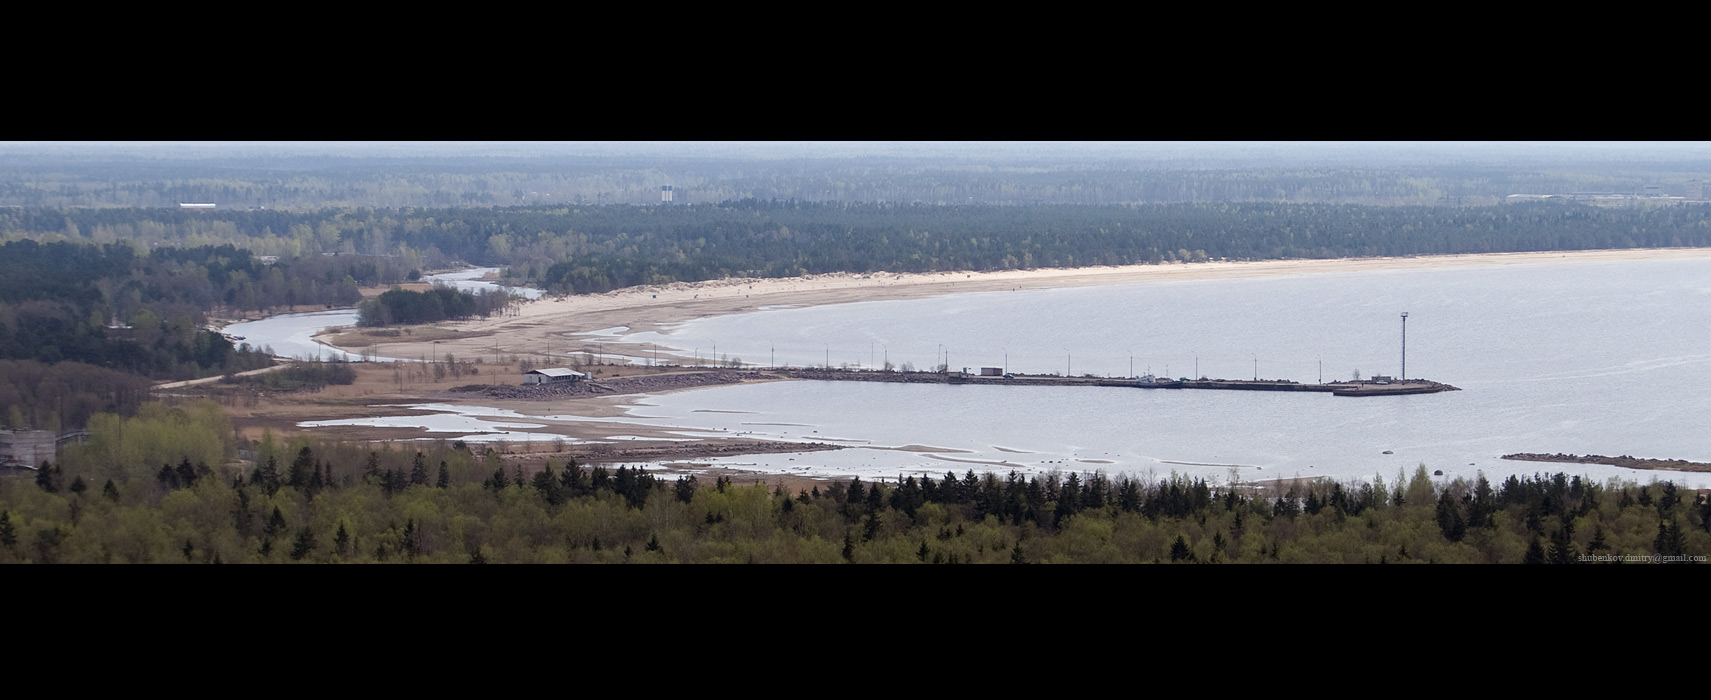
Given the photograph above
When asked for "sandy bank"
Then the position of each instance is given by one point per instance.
(555, 321)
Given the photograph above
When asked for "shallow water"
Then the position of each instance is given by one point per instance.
(1582, 357)
(292, 335)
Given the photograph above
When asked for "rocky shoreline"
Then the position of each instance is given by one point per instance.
(1628, 461)
(624, 385)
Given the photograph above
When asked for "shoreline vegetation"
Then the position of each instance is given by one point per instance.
(320, 501)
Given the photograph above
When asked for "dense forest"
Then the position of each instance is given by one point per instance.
(155, 488)
(599, 248)
(83, 326)
(402, 306)
(311, 176)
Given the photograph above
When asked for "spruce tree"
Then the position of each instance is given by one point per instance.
(303, 545)
(268, 477)
(44, 478)
(342, 540)
(297, 476)
(1535, 553)
(1563, 549)
(77, 485)
(1671, 542)
(1179, 550)
(275, 523)
(419, 470)
(445, 479)
(8, 534)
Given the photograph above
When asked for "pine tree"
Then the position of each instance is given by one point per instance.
(342, 540)
(653, 543)
(1016, 556)
(849, 548)
(445, 479)
(77, 485)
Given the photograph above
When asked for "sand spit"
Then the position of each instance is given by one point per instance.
(648, 308)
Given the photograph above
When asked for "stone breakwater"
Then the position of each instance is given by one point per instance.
(624, 385)
(1628, 461)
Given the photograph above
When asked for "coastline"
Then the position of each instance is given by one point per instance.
(653, 307)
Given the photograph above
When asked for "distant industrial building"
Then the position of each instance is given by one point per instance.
(665, 194)
(992, 371)
(27, 448)
(195, 205)
(556, 375)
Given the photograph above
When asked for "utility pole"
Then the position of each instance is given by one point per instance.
(1404, 346)
(1256, 368)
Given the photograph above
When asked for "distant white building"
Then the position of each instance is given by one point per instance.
(195, 205)
(556, 375)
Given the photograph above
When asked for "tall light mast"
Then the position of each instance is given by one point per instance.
(1404, 346)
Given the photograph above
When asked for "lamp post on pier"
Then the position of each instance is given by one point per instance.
(1404, 374)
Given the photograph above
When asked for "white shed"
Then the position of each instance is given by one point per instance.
(554, 375)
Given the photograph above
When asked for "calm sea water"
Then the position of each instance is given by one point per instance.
(292, 335)
(1581, 357)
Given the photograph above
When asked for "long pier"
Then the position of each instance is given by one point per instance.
(1352, 388)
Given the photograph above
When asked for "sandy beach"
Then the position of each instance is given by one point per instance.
(648, 308)
(525, 335)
